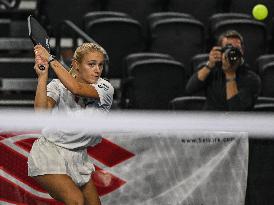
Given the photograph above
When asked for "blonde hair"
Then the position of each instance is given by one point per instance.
(83, 50)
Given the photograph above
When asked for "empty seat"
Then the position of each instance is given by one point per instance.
(198, 61)
(178, 35)
(152, 83)
(120, 36)
(91, 16)
(201, 10)
(266, 72)
(250, 30)
(164, 15)
(262, 99)
(138, 10)
(188, 103)
(263, 60)
(264, 104)
(128, 61)
(133, 57)
(67, 53)
(215, 18)
(63, 20)
(51, 12)
(264, 107)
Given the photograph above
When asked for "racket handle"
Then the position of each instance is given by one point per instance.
(42, 67)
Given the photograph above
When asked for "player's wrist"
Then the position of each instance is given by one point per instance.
(51, 58)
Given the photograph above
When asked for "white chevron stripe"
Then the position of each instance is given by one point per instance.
(24, 186)
(9, 142)
(6, 203)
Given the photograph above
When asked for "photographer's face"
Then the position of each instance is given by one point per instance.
(235, 42)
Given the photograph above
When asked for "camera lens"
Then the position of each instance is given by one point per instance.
(232, 53)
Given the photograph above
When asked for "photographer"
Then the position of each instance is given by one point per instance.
(229, 84)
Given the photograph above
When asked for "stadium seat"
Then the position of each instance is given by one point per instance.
(201, 10)
(187, 103)
(266, 72)
(63, 20)
(133, 57)
(177, 34)
(264, 107)
(262, 99)
(215, 18)
(164, 15)
(262, 60)
(51, 13)
(119, 35)
(152, 83)
(91, 16)
(250, 30)
(264, 104)
(138, 10)
(67, 53)
(198, 61)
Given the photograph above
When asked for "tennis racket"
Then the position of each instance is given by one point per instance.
(38, 35)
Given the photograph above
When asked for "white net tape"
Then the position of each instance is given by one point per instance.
(256, 124)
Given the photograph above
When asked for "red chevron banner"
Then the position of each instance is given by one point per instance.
(138, 169)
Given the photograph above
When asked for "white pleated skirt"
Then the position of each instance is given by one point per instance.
(47, 158)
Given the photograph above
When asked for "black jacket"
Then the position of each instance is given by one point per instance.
(248, 83)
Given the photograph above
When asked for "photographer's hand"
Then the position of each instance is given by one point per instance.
(215, 56)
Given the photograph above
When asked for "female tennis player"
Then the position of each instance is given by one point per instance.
(58, 160)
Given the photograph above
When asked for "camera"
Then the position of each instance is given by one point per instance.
(232, 53)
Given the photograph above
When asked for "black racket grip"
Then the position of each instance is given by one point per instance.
(42, 67)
